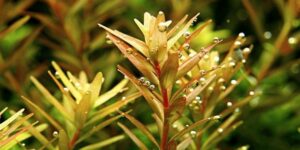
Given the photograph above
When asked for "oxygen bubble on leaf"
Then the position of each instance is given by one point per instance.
(246, 50)
(267, 34)
(57, 75)
(233, 82)
(217, 117)
(193, 133)
(242, 34)
(152, 87)
(142, 79)
(55, 134)
(109, 42)
(220, 130)
(232, 64)
(221, 80)
(237, 43)
(147, 83)
(162, 27)
(186, 46)
(186, 34)
(292, 40)
(66, 89)
(174, 126)
(222, 87)
(206, 57)
(244, 61)
(210, 88)
(229, 104)
(216, 58)
(251, 93)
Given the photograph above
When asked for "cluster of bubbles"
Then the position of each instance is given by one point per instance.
(146, 83)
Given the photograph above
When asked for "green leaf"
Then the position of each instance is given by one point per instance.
(66, 81)
(152, 100)
(63, 140)
(199, 89)
(11, 119)
(136, 59)
(95, 87)
(82, 110)
(38, 110)
(135, 139)
(188, 129)
(193, 61)
(103, 143)
(175, 38)
(139, 45)
(14, 26)
(111, 93)
(140, 126)
(112, 108)
(51, 99)
(169, 71)
(99, 127)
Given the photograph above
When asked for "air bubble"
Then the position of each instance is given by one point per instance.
(186, 46)
(186, 34)
(237, 43)
(152, 87)
(147, 83)
(251, 93)
(267, 34)
(55, 133)
(292, 40)
(142, 79)
(246, 50)
(193, 133)
(220, 130)
(233, 82)
(242, 34)
(66, 89)
(229, 104)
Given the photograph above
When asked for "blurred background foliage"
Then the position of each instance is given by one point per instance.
(35, 32)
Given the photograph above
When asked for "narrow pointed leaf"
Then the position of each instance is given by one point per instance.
(149, 97)
(139, 45)
(175, 38)
(99, 127)
(14, 26)
(176, 27)
(188, 129)
(51, 99)
(11, 119)
(136, 59)
(193, 61)
(104, 143)
(199, 89)
(66, 81)
(112, 108)
(184, 144)
(143, 128)
(95, 87)
(135, 139)
(82, 110)
(169, 71)
(63, 140)
(111, 93)
(38, 110)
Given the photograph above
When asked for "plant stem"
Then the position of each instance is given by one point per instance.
(164, 92)
(74, 139)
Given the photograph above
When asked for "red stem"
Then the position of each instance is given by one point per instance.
(74, 139)
(164, 92)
